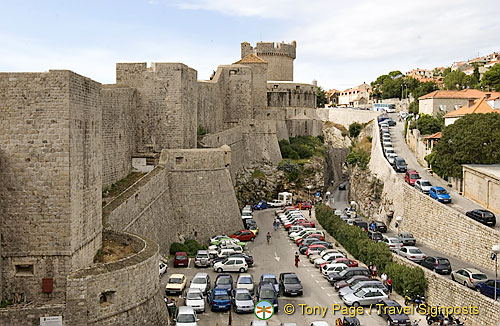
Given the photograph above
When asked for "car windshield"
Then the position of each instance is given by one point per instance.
(199, 280)
(247, 213)
(415, 251)
(426, 184)
(186, 318)
(270, 280)
(202, 256)
(400, 161)
(194, 296)
(443, 261)
(267, 294)
(245, 280)
(441, 191)
(180, 257)
(488, 214)
(243, 296)
(224, 280)
(407, 235)
(291, 280)
(360, 293)
(221, 296)
(479, 276)
(414, 176)
(175, 280)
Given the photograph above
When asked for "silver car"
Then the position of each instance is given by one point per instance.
(202, 259)
(201, 281)
(242, 301)
(468, 277)
(412, 253)
(194, 298)
(423, 185)
(374, 284)
(364, 297)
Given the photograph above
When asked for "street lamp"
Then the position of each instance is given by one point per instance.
(309, 192)
(494, 256)
(398, 221)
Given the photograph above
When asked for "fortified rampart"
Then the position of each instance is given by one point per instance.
(279, 56)
(346, 116)
(435, 224)
(443, 292)
(286, 94)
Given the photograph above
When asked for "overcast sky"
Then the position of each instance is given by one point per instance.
(339, 43)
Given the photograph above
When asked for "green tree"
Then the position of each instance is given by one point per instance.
(424, 88)
(491, 78)
(413, 108)
(354, 129)
(472, 139)
(456, 80)
(321, 98)
(427, 124)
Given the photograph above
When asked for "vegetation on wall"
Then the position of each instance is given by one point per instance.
(356, 242)
(301, 147)
(189, 246)
(359, 152)
(472, 139)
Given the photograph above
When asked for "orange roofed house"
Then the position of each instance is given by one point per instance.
(447, 101)
(487, 104)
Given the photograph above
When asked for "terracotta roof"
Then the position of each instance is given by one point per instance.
(251, 58)
(479, 106)
(466, 93)
(437, 135)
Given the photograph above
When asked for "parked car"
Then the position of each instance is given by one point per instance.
(329, 258)
(181, 259)
(482, 216)
(423, 185)
(243, 235)
(219, 299)
(249, 222)
(389, 310)
(399, 164)
(290, 284)
(260, 205)
(201, 281)
(373, 284)
(270, 278)
(224, 281)
(407, 239)
(215, 240)
(440, 194)
(306, 205)
(162, 268)
(350, 321)
(231, 264)
(389, 150)
(348, 273)
(391, 122)
(202, 259)
(342, 186)
(275, 203)
(437, 264)
(411, 176)
(393, 243)
(364, 297)
(176, 284)
(347, 261)
(267, 292)
(254, 229)
(412, 253)
(329, 268)
(242, 301)
(186, 316)
(391, 157)
(351, 281)
(362, 224)
(488, 288)
(469, 277)
(245, 281)
(380, 227)
(375, 236)
(194, 299)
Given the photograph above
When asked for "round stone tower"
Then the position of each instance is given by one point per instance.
(279, 57)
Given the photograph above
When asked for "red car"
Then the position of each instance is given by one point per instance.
(306, 205)
(411, 176)
(314, 248)
(347, 261)
(181, 259)
(308, 224)
(243, 235)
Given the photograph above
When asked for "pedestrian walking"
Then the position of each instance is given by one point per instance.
(268, 237)
(372, 226)
(389, 285)
(374, 271)
(309, 211)
(383, 277)
(297, 259)
(275, 225)
(370, 268)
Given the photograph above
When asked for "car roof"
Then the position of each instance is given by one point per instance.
(411, 247)
(406, 233)
(242, 290)
(193, 290)
(423, 180)
(185, 310)
(268, 276)
(472, 270)
(412, 171)
(245, 275)
(201, 274)
(202, 252)
(220, 290)
(438, 188)
(176, 275)
(181, 253)
(224, 276)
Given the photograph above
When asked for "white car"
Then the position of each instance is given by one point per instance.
(364, 297)
(245, 281)
(300, 233)
(390, 158)
(388, 151)
(194, 299)
(275, 203)
(332, 268)
(186, 316)
(423, 185)
(201, 281)
(412, 253)
(217, 238)
(393, 243)
(163, 268)
(231, 264)
(338, 212)
(327, 258)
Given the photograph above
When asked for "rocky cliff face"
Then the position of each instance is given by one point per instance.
(366, 191)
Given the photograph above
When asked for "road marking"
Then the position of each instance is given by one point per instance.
(189, 263)
(276, 257)
(311, 270)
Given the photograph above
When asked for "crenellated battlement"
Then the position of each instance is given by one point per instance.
(279, 57)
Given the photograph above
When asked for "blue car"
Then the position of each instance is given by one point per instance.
(219, 299)
(270, 278)
(488, 288)
(224, 281)
(260, 205)
(440, 194)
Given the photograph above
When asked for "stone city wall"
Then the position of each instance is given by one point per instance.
(346, 116)
(50, 167)
(124, 292)
(118, 125)
(29, 314)
(482, 188)
(287, 94)
(435, 224)
(261, 143)
(443, 292)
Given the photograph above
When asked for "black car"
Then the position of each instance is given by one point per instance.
(391, 122)
(290, 284)
(362, 224)
(350, 321)
(375, 236)
(380, 227)
(483, 216)
(437, 264)
(390, 314)
(342, 186)
(399, 164)
(248, 222)
(348, 273)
